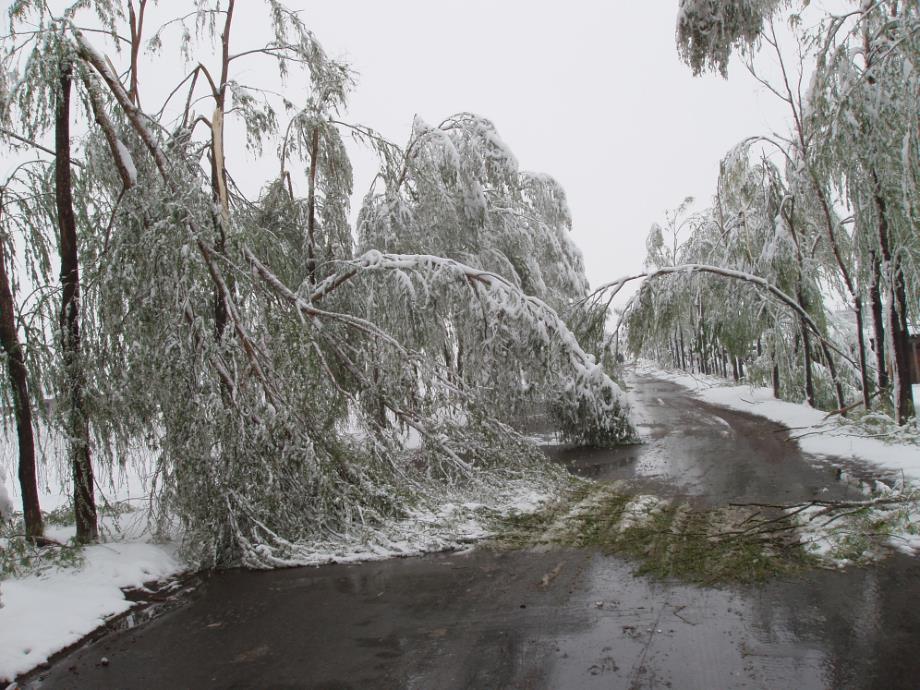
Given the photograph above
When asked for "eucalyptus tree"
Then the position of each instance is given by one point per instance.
(856, 126)
(12, 196)
(278, 376)
(41, 99)
(808, 185)
(456, 190)
(863, 101)
(755, 237)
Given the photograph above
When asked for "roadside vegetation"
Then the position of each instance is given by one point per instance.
(802, 272)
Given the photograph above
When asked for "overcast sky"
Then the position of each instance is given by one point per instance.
(592, 93)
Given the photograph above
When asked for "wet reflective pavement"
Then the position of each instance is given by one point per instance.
(547, 619)
(710, 453)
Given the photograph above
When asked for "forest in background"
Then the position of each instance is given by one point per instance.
(803, 273)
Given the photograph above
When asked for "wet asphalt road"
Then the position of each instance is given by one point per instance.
(548, 619)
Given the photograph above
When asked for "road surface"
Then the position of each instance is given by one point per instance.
(557, 618)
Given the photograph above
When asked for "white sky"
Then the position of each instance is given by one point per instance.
(592, 93)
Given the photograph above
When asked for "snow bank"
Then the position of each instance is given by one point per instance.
(813, 431)
(42, 614)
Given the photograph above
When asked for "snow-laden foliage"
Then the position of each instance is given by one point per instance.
(295, 394)
(708, 31)
(863, 106)
(456, 191)
(821, 221)
(762, 304)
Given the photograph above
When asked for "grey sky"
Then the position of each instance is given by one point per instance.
(592, 93)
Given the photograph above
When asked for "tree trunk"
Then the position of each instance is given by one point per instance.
(22, 403)
(311, 207)
(832, 369)
(77, 423)
(683, 354)
(897, 314)
(861, 339)
(900, 341)
(219, 173)
(878, 322)
(809, 380)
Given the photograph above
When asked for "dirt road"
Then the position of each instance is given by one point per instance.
(554, 618)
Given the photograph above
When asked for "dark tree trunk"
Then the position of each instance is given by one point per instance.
(683, 354)
(77, 423)
(900, 335)
(775, 377)
(22, 403)
(897, 310)
(832, 369)
(311, 207)
(806, 348)
(460, 359)
(861, 337)
(809, 380)
(878, 322)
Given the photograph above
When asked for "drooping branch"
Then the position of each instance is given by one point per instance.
(685, 269)
(132, 112)
(120, 154)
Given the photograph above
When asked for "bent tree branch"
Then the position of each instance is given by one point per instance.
(732, 274)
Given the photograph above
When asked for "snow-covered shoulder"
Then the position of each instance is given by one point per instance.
(43, 613)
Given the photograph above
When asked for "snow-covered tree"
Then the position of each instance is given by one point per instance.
(456, 190)
(863, 104)
(708, 31)
(294, 391)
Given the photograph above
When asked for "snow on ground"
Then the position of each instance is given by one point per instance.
(452, 525)
(44, 613)
(815, 433)
(836, 541)
(56, 606)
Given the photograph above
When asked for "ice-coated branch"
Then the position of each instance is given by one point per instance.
(120, 154)
(89, 54)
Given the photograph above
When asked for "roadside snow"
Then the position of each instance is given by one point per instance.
(813, 431)
(42, 614)
(47, 611)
